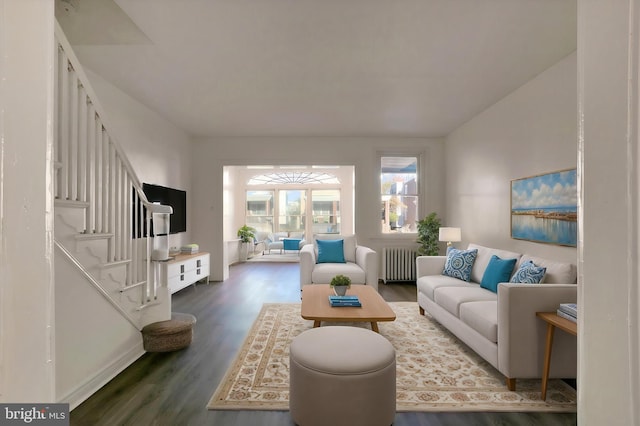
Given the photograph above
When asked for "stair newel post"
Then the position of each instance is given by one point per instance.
(161, 227)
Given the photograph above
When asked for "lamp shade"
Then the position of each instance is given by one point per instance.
(450, 234)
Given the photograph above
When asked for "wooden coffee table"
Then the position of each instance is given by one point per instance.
(316, 307)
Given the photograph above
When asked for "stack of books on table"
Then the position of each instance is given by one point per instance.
(189, 249)
(337, 301)
(568, 311)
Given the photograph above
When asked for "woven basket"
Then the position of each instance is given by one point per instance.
(170, 335)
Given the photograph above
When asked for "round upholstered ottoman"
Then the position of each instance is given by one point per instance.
(170, 335)
(342, 376)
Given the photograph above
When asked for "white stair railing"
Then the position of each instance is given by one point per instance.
(92, 169)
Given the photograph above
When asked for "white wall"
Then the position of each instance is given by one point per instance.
(609, 297)
(94, 341)
(529, 132)
(211, 155)
(159, 152)
(27, 340)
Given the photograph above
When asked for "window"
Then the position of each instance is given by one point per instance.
(325, 207)
(260, 210)
(301, 178)
(399, 193)
(300, 203)
(291, 208)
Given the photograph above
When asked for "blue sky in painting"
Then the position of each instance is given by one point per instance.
(546, 191)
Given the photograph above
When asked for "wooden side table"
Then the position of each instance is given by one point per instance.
(553, 321)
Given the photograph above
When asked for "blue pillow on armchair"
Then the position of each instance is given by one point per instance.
(330, 251)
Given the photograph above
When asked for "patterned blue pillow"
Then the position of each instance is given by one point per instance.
(459, 263)
(529, 273)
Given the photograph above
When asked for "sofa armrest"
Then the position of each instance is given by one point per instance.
(429, 265)
(367, 259)
(521, 334)
(307, 263)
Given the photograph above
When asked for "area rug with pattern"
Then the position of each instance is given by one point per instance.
(435, 371)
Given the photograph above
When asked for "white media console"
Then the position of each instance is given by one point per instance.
(184, 270)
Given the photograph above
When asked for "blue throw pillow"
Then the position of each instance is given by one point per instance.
(330, 251)
(498, 271)
(529, 273)
(459, 263)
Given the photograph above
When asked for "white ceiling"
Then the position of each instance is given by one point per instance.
(319, 67)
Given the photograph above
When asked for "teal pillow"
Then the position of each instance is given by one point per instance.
(459, 263)
(529, 273)
(498, 271)
(330, 251)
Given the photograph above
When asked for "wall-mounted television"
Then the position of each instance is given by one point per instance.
(175, 198)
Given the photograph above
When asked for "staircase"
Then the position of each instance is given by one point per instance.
(107, 287)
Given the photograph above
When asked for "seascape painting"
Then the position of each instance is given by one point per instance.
(544, 208)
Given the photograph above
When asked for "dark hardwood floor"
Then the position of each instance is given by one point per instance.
(174, 388)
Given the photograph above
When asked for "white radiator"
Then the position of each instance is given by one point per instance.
(398, 264)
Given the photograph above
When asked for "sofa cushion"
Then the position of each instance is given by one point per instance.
(482, 317)
(450, 298)
(350, 244)
(427, 284)
(330, 251)
(529, 273)
(323, 272)
(557, 272)
(484, 256)
(459, 263)
(497, 271)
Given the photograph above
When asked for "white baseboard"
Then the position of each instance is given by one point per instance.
(91, 386)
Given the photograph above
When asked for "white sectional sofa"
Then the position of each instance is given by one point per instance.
(502, 327)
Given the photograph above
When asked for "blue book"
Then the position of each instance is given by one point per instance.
(343, 298)
(566, 316)
(341, 304)
(569, 308)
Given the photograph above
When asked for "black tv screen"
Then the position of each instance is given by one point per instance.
(175, 198)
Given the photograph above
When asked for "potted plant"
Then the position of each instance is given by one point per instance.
(247, 235)
(340, 284)
(393, 220)
(428, 229)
